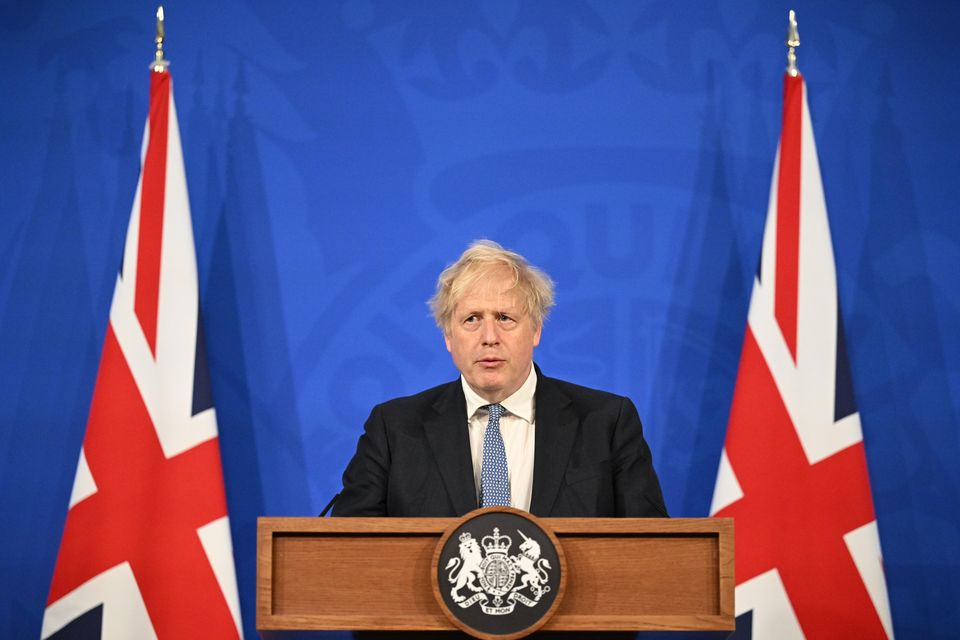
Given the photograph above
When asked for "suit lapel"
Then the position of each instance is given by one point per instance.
(449, 440)
(556, 430)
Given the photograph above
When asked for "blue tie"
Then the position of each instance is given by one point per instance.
(494, 481)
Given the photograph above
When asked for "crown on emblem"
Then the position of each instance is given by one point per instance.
(466, 536)
(496, 543)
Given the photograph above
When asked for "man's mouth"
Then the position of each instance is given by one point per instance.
(489, 362)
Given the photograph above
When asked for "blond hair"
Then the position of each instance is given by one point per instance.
(535, 286)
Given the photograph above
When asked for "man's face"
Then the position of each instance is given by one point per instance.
(491, 337)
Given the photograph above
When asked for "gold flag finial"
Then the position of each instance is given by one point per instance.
(793, 41)
(160, 63)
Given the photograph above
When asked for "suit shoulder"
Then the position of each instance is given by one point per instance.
(587, 396)
(415, 402)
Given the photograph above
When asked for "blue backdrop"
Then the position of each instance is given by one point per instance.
(339, 154)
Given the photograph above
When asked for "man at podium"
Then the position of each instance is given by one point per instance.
(503, 433)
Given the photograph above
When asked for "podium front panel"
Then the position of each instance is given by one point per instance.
(374, 574)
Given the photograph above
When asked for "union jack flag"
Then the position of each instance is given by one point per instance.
(793, 473)
(146, 550)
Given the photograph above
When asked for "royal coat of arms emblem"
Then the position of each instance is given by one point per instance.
(498, 572)
(495, 579)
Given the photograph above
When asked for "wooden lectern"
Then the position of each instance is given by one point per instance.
(624, 574)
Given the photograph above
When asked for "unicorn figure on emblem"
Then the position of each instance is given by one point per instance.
(532, 567)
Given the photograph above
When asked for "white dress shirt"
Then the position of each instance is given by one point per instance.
(517, 428)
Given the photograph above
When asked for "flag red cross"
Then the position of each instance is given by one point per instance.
(788, 213)
(793, 515)
(146, 511)
(152, 196)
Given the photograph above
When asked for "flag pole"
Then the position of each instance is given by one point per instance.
(159, 63)
(792, 42)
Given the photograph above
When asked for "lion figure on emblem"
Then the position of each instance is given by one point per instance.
(468, 574)
(532, 567)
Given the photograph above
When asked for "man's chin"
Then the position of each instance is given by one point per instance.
(487, 386)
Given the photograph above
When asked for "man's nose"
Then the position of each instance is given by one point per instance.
(490, 334)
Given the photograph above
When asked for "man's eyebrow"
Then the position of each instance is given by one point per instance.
(511, 310)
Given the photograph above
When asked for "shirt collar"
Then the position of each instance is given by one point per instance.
(520, 403)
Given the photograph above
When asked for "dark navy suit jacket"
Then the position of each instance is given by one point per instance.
(590, 457)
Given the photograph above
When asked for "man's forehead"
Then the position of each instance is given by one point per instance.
(491, 288)
(496, 301)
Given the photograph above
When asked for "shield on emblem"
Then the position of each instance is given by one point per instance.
(498, 574)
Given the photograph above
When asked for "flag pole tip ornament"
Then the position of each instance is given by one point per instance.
(792, 42)
(159, 63)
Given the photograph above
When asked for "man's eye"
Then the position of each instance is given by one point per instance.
(470, 319)
(505, 318)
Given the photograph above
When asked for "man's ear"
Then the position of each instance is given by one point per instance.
(446, 338)
(536, 335)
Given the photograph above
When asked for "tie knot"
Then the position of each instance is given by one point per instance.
(495, 410)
